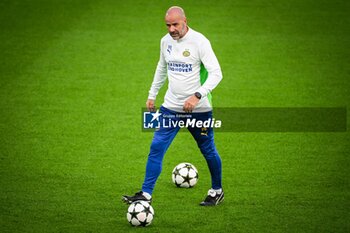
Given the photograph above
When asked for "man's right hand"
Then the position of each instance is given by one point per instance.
(150, 105)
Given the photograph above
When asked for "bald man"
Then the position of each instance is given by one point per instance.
(193, 71)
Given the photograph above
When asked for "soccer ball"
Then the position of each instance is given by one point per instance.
(185, 175)
(140, 213)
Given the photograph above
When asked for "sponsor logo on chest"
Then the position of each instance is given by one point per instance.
(177, 59)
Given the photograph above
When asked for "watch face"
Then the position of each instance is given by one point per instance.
(198, 95)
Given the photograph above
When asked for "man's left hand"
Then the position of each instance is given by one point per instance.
(190, 103)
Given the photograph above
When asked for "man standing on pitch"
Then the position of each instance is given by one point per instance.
(193, 71)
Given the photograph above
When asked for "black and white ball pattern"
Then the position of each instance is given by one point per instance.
(185, 175)
(140, 213)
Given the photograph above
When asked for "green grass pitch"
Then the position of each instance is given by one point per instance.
(75, 74)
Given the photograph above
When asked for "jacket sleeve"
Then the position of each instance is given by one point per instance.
(159, 76)
(212, 65)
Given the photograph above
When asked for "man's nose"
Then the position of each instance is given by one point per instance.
(171, 28)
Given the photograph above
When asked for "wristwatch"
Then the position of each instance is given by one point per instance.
(198, 95)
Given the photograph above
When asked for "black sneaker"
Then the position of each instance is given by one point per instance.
(137, 197)
(213, 198)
